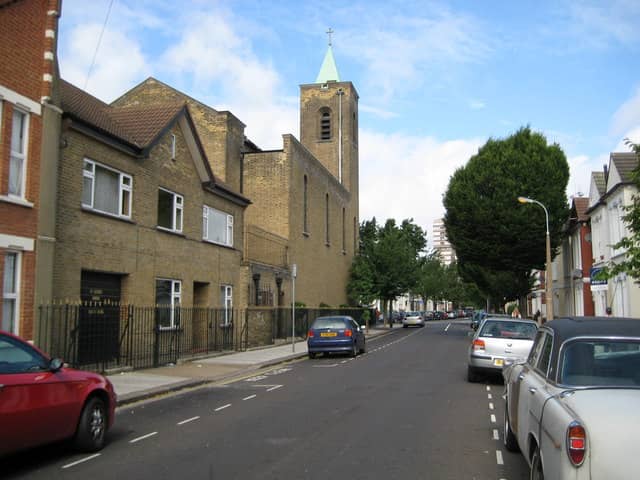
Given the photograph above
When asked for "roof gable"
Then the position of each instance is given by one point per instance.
(621, 166)
(597, 188)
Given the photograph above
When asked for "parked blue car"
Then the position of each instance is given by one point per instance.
(335, 334)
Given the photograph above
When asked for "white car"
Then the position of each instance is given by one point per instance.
(413, 319)
(573, 407)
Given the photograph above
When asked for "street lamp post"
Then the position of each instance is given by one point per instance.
(548, 282)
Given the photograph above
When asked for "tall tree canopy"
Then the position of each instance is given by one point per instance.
(388, 262)
(491, 232)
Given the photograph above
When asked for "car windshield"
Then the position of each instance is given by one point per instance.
(329, 322)
(506, 329)
(607, 362)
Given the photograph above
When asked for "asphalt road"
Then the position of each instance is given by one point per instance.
(403, 410)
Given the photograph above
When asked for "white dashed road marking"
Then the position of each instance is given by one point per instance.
(496, 435)
(249, 397)
(493, 418)
(222, 407)
(275, 387)
(188, 420)
(82, 460)
(143, 437)
(490, 406)
(499, 457)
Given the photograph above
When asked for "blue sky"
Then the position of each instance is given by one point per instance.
(436, 79)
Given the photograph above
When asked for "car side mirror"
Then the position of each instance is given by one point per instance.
(55, 364)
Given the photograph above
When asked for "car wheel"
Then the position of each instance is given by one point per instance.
(354, 350)
(312, 355)
(536, 466)
(472, 375)
(405, 326)
(510, 441)
(364, 347)
(92, 426)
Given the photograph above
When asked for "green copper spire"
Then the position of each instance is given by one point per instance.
(328, 70)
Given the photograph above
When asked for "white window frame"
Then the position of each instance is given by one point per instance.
(178, 207)
(228, 234)
(21, 156)
(176, 301)
(123, 178)
(14, 296)
(226, 293)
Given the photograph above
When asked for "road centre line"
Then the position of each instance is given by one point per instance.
(143, 437)
(496, 435)
(188, 420)
(493, 418)
(82, 460)
(222, 407)
(489, 396)
(275, 387)
(499, 457)
(488, 388)
(249, 397)
(447, 328)
(490, 405)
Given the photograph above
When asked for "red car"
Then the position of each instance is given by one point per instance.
(42, 401)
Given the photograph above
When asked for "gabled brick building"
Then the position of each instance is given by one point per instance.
(28, 31)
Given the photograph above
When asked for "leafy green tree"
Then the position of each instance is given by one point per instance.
(430, 281)
(493, 235)
(631, 243)
(387, 264)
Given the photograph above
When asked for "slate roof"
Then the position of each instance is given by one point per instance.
(600, 181)
(625, 163)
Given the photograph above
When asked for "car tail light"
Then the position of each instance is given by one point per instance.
(348, 333)
(310, 334)
(576, 443)
(478, 344)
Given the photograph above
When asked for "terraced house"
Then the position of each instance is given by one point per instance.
(28, 36)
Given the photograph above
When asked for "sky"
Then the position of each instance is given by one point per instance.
(436, 79)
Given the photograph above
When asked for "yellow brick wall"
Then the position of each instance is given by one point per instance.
(137, 248)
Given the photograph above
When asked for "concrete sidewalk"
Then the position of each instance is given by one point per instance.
(142, 384)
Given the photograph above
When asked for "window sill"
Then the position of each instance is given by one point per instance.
(16, 201)
(107, 215)
(171, 232)
(169, 329)
(230, 247)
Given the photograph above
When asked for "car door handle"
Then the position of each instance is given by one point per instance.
(532, 390)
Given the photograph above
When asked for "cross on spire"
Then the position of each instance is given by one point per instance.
(329, 32)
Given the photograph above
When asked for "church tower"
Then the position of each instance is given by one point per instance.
(329, 122)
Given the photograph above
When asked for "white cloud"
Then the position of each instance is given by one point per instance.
(599, 24)
(421, 166)
(627, 117)
(119, 62)
(476, 104)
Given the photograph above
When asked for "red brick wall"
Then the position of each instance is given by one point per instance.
(23, 43)
(586, 252)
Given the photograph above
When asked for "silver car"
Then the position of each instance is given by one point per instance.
(413, 319)
(497, 343)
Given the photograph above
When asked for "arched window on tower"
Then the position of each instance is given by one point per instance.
(325, 124)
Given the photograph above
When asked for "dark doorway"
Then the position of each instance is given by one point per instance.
(99, 325)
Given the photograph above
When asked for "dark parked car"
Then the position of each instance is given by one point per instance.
(439, 315)
(336, 334)
(42, 401)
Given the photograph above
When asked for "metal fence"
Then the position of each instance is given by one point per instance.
(102, 336)
(108, 336)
